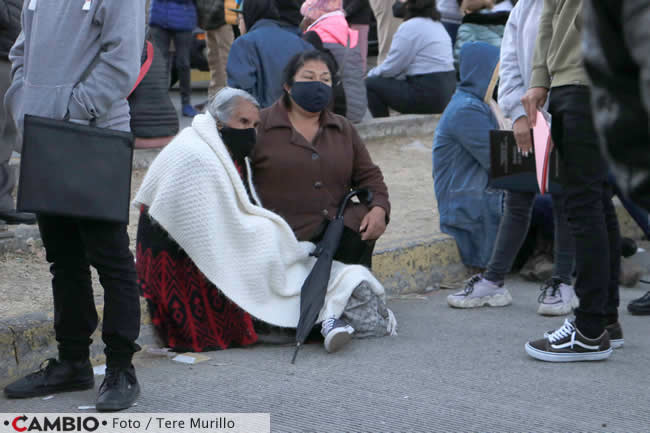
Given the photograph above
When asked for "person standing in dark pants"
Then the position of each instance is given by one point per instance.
(174, 20)
(617, 49)
(558, 66)
(84, 76)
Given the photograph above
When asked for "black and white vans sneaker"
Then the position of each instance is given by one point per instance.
(337, 334)
(567, 344)
(615, 332)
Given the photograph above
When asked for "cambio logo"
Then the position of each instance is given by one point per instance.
(55, 424)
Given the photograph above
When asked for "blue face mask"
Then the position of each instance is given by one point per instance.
(312, 96)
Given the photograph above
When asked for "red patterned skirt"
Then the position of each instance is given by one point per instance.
(189, 313)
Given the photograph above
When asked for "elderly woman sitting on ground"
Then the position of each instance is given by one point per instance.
(210, 258)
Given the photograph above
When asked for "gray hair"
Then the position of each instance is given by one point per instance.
(223, 104)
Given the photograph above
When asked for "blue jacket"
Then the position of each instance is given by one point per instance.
(258, 58)
(461, 158)
(178, 15)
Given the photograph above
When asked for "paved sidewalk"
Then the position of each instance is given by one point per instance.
(448, 370)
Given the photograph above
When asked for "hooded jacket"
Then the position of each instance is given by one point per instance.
(86, 73)
(461, 158)
(257, 60)
(517, 50)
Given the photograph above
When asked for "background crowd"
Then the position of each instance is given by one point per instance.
(288, 81)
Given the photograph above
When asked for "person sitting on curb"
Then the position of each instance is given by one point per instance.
(258, 57)
(245, 261)
(418, 76)
(307, 159)
(469, 211)
(558, 296)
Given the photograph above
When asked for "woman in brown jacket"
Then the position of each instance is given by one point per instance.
(306, 159)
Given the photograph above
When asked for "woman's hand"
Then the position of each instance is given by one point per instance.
(373, 224)
(521, 128)
(534, 98)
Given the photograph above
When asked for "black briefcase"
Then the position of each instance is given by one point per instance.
(511, 171)
(74, 170)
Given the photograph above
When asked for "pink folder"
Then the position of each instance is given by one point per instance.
(543, 147)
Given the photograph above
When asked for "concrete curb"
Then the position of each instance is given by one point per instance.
(395, 126)
(26, 341)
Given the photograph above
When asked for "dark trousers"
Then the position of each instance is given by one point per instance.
(513, 229)
(591, 215)
(418, 94)
(183, 44)
(352, 250)
(72, 246)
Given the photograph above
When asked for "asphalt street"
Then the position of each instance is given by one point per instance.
(447, 370)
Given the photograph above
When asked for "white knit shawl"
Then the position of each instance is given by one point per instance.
(194, 191)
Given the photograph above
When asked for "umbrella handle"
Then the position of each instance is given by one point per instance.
(356, 192)
(293, 360)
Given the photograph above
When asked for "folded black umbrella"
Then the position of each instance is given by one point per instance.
(312, 294)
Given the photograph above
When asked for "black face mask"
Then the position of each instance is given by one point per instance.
(312, 96)
(240, 142)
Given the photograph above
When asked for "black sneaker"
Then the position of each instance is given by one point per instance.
(567, 344)
(615, 332)
(337, 334)
(54, 376)
(119, 390)
(640, 306)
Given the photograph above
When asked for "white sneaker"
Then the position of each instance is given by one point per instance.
(337, 334)
(557, 299)
(479, 292)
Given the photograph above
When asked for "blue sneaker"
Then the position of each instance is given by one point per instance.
(189, 111)
(337, 334)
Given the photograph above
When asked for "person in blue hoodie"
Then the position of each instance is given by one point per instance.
(257, 59)
(175, 20)
(469, 211)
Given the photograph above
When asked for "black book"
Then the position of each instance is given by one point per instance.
(511, 171)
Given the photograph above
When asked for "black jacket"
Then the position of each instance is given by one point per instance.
(9, 25)
(357, 11)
